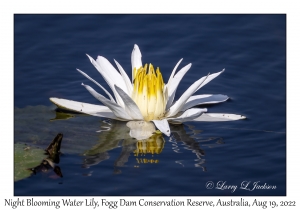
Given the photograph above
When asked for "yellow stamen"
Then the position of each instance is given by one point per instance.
(148, 92)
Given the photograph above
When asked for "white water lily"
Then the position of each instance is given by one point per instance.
(146, 97)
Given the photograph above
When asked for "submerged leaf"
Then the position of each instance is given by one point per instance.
(25, 158)
(32, 125)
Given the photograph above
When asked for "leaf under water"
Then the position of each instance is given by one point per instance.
(25, 158)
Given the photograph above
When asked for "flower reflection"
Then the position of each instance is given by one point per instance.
(152, 145)
(135, 153)
(115, 134)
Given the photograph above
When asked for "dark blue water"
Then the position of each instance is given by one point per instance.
(252, 48)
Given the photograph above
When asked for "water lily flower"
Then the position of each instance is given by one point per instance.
(146, 97)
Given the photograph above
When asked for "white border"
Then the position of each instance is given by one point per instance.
(8, 8)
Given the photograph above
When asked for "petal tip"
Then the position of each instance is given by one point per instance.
(91, 59)
(136, 50)
(168, 134)
(163, 126)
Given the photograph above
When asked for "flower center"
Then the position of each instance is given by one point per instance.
(148, 92)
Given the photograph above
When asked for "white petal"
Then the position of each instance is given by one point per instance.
(136, 59)
(91, 109)
(104, 74)
(163, 126)
(111, 71)
(107, 77)
(214, 117)
(115, 108)
(87, 76)
(203, 99)
(177, 106)
(173, 72)
(188, 115)
(171, 96)
(130, 106)
(210, 78)
(165, 93)
(172, 87)
(125, 78)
